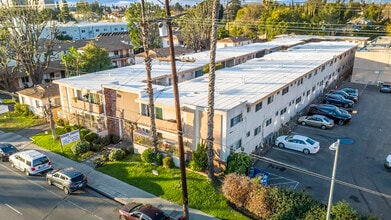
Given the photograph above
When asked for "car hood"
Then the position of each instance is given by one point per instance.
(345, 113)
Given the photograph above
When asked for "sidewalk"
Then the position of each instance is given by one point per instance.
(102, 183)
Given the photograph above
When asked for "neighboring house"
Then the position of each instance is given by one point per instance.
(233, 42)
(79, 31)
(177, 39)
(252, 101)
(372, 64)
(38, 97)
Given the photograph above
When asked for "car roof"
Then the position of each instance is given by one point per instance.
(33, 154)
(70, 172)
(7, 145)
(147, 209)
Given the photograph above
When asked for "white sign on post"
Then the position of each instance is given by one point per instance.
(70, 137)
(4, 109)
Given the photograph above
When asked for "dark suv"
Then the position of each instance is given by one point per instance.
(67, 179)
(345, 95)
(340, 116)
(337, 100)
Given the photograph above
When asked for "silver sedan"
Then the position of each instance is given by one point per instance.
(316, 121)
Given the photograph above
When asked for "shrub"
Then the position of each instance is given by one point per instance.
(236, 188)
(114, 138)
(200, 158)
(128, 148)
(60, 122)
(90, 137)
(168, 162)
(22, 109)
(159, 159)
(147, 156)
(238, 163)
(80, 147)
(116, 154)
(258, 202)
(96, 147)
(99, 161)
(68, 128)
(83, 133)
(86, 155)
(105, 140)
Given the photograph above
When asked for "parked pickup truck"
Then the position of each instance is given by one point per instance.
(263, 176)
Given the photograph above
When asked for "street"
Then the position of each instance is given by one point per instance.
(361, 179)
(29, 197)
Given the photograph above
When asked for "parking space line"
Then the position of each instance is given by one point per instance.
(14, 209)
(293, 152)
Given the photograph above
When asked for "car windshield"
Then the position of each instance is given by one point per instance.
(8, 149)
(77, 178)
(310, 141)
(40, 161)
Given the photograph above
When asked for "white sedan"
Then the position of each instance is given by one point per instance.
(298, 142)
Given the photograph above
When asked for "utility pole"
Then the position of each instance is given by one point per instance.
(178, 115)
(334, 146)
(144, 32)
(51, 120)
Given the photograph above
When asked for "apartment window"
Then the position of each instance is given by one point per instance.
(237, 119)
(96, 30)
(313, 89)
(268, 122)
(83, 31)
(276, 113)
(283, 111)
(248, 109)
(308, 92)
(159, 113)
(298, 100)
(236, 145)
(25, 79)
(248, 134)
(257, 130)
(285, 91)
(269, 100)
(258, 106)
(309, 76)
(116, 53)
(144, 109)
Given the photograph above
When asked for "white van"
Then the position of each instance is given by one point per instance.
(30, 162)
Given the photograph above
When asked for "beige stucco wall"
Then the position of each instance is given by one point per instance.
(372, 66)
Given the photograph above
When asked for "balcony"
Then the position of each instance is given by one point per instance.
(87, 106)
(165, 125)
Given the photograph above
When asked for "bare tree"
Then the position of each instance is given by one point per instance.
(211, 90)
(24, 25)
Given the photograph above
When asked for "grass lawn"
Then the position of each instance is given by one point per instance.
(46, 141)
(167, 185)
(11, 122)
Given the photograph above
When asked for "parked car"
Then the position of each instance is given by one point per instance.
(30, 162)
(350, 91)
(6, 150)
(320, 121)
(134, 210)
(386, 88)
(298, 142)
(387, 162)
(67, 179)
(339, 115)
(345, 95)
(337, 100)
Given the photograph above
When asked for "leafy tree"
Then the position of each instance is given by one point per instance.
(154, 14)
(196, 25)
(222, 32)
(24, 26)
(95, 58)
(373, 12)
(342, 210)
(247, 19)
(72, 61)
(64, 15)
(8, 70)
(178, 8)
(232, 8)
(84, 9)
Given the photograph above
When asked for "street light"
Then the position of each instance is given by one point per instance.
(333, 146)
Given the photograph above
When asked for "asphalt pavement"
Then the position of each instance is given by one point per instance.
(100, 182)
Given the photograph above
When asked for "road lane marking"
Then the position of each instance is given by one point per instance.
(15, 210)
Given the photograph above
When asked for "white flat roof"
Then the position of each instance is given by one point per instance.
(255, 79)
(135, 74)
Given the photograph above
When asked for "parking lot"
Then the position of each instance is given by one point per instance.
(361, 178)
